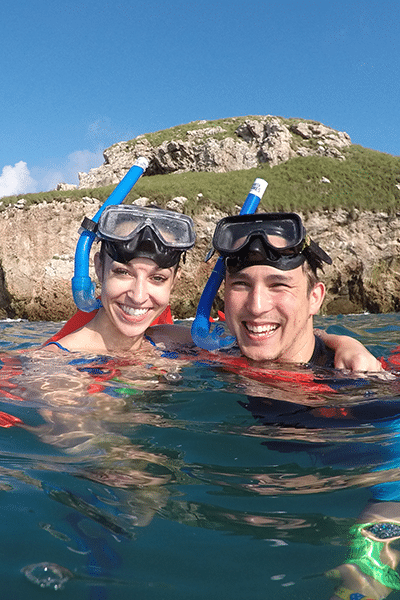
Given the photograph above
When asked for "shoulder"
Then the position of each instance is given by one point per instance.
(170, 335)
(323, 356)
(78, 340)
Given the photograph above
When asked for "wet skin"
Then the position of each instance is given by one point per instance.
(132, 295)
(271, 313)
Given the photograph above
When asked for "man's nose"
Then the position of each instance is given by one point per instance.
(259, 301)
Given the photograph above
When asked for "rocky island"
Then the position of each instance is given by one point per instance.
(37, 240)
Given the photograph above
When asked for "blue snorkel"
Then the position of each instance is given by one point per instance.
(82, 286)
(201, 332)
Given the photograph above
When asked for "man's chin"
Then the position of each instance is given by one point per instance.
(258, 355)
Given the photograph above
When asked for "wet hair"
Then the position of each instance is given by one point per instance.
(309, 267)
(310, 271)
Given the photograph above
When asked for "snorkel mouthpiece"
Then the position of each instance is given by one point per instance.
(202, 334)
(82, 286)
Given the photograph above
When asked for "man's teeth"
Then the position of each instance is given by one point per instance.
(134, 312)
(261, 328)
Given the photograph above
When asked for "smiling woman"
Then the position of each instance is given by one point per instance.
(137, 266)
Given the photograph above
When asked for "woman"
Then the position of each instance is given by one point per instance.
(137, 267)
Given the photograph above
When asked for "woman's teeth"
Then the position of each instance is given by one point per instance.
(134, 312)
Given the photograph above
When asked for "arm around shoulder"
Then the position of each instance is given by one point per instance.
(350, 354)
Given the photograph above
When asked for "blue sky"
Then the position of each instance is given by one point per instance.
(77, 77)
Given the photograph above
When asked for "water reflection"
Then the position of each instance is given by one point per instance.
(126, 453)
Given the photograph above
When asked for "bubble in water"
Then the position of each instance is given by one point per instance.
(47, 575)
(172, 377)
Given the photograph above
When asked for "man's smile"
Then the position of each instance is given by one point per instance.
(261, 329)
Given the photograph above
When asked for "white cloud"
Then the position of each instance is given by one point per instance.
(82, 161)
(16, 180)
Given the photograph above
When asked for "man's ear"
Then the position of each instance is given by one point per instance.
(99, 267)
(317, 297)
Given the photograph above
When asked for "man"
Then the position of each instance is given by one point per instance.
(272, 290)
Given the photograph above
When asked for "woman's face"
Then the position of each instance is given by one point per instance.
(135, 293)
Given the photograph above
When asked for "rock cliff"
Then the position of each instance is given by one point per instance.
(37, 243)
(37, 246)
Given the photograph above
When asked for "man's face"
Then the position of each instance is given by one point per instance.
(270, 312)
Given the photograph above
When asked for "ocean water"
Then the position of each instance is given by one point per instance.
(186, 479)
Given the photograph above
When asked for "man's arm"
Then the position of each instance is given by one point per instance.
(350, 354)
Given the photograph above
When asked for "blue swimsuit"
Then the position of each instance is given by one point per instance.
(146, 337)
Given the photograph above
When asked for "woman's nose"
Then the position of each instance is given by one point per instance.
(138, 291)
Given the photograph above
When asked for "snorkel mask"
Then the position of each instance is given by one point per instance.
(275, 239)
(129, 232)
(83, 288)
(157, 234)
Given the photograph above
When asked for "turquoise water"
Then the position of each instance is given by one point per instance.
(138, 483)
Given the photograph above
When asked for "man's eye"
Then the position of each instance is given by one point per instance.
(120, 271)
(280, 286)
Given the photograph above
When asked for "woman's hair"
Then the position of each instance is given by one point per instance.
(103, 253)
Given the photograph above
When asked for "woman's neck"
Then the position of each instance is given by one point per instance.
(108, 336)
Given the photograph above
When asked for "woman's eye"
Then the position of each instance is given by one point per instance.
(159, 279)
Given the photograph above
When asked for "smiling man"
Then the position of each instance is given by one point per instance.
(272, 290)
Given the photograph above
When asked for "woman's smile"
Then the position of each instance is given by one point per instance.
(133, 312)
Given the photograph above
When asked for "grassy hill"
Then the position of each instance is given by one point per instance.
(366, 180)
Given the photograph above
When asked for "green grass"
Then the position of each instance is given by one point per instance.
(179, 132)
(366, 180)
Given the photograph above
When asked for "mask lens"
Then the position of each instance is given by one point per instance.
(172, 231)
(282, 234)
(122, 223)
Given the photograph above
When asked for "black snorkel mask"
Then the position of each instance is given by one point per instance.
(129, 231)
(275, 239)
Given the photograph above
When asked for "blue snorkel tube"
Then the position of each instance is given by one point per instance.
(82, 286)
(201, 332)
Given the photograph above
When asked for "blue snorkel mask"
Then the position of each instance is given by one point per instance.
(82, 286)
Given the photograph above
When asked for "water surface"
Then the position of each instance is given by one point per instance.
(124, 480)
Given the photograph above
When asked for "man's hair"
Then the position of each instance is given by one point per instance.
(310, 271)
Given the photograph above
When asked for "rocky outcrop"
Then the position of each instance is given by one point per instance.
(235, 144)
(37, 243)
(37, 246)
